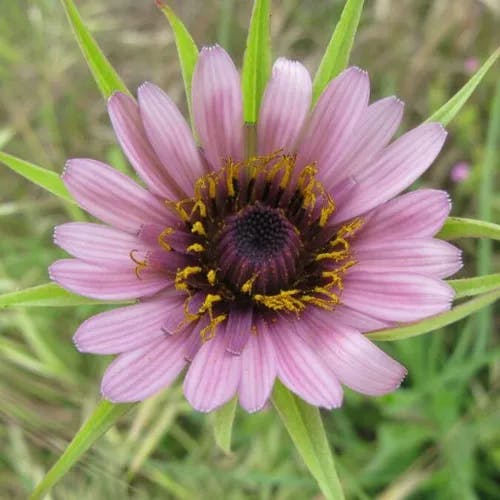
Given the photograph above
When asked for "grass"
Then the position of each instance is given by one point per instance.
(437, 437)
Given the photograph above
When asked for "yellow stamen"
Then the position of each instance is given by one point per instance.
(161, 238)
(211, 277)
(247, 286)
(195, 247)
(183, 274)
(286, 300)
(198, 228)
(140, 264)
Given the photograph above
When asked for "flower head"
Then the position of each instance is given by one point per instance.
(253, 260)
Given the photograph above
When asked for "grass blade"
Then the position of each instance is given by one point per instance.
(186, 50)
(456, 227)
(42, 177)
(448, 110)
(48, 295)
(257, 60)
(105, 76)
(104, 416)
(339, 48)
(223, 425)
(303, 423)
(428, 325)
(469, 287)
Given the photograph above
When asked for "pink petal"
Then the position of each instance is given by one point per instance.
(302, 370)
(138, 374)
(396, 296)
(357, 362)
(218, 106)
(101, 283)
(395, 169)
(170, 136)
(113, 197)
(284, 107)
(214, 375)
(334, 119)
(371, 134)
(258, 370)
(415, 255)
(418, 214)
(126, 328)
(238, 329)
(129, 130)
(98, 244)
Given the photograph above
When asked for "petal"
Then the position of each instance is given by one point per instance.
(302, 370)
(371, 134)
(113, 197)
(396, 296)
(258, 370)
(333, 120)
(357, 362)
(127, 123)
(170, 136)
(284, 107)
(238, 329)
(395, 169)
(136, 375)
(419, 214)
(414, 255)
(97, 243)
(101, 283)
(126, 328)
(214, 375)
(218, 106)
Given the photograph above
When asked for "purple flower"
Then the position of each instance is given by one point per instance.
(249, 267)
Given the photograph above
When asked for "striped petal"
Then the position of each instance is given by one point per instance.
(258, 370)
(113, 197)
(170, 136)
(101, 283)
(214, 375)
(129, 130)
(136, 375)
(126, 328)
(396, 296)
(394, 170)
(284, 107)
(218, 106)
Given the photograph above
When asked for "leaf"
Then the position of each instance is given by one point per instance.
(428, 325)
(303, 423)
(468, 287)
(186, 49)
(223, 425)
(448, 110)
(42, 177)
(456, 227)
(106, 78)
(339, 48)
(256, 60)
(48, 295)
(103, 417)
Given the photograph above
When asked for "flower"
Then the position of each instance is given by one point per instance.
(460, 172)
(254, 265)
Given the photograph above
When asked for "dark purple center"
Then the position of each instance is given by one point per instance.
(260, 233)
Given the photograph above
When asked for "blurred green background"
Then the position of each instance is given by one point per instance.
(438, 437)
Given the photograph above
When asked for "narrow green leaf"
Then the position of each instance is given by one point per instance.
(339, 48)
(186, 49)
(257, 60)
(104, 416)
(105, 76)
(303, 423)
(40, 176)
(469, 287)
(456, 227)
(48, 295)
(428, 325)
(223, 425)
(448, 110)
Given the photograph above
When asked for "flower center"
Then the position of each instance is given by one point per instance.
(258, 244)
(258, 234)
